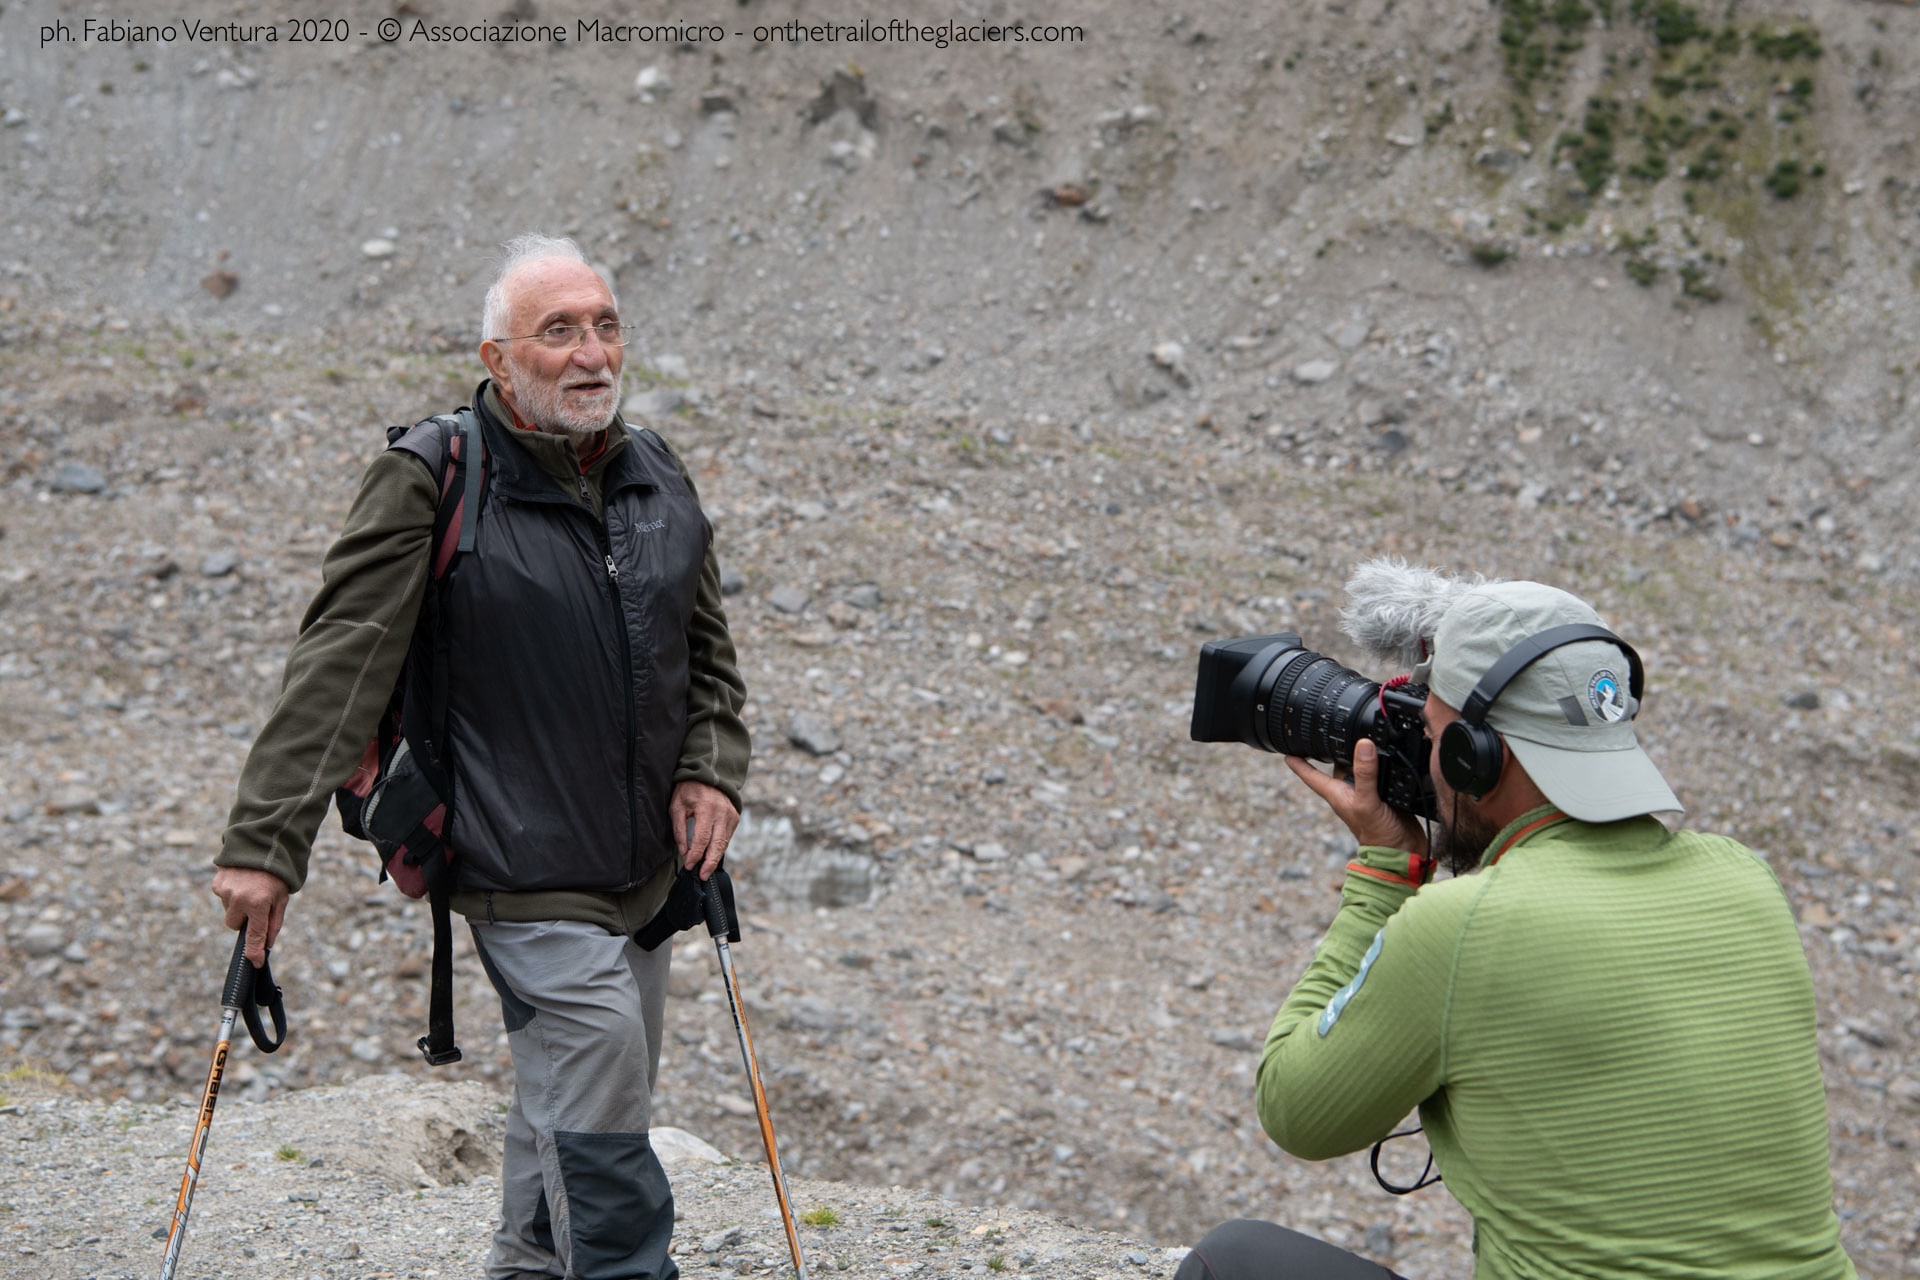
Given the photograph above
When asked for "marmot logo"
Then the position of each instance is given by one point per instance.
(650, 526)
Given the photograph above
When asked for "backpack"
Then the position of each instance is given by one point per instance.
(400, 795)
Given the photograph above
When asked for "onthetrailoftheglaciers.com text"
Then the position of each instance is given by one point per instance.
(869, 31)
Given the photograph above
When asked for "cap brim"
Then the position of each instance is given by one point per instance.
(1596, 786)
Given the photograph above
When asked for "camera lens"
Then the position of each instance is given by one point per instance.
(1274, 694)
(1314, 710)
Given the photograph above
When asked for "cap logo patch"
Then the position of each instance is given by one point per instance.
(1606, 698)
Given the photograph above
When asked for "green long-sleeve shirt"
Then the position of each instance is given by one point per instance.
(353, 642)
(1609, 1034)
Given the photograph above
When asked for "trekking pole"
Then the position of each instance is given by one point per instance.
(720, 927)
(248, 990)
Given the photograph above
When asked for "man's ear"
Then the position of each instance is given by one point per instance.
(494, 356)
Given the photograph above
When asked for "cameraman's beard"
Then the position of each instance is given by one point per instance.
(1461, 842)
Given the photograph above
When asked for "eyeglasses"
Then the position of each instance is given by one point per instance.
(566, 337)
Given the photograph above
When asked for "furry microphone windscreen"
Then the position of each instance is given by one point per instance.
(1393, 608)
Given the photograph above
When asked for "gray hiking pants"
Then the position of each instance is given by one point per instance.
(582, 1194)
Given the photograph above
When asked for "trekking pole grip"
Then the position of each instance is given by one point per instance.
(239, 990)
(250, 990)
(715, 908)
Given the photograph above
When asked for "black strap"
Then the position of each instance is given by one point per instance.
(1530, 651)
(250, 990)
(460, 496)
(437, 1045)
(1427, 1176)
(470, 449)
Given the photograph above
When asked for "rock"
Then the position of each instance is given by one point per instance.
(41, 938)
(1172, 357)
(77, 477)
(788, 598)
(989, 851)
(220, 284)
(379, 247)
(679, 1149)
(812, 734)
(652, 80)
(1061, 709)
(732, 581)
(73, 800)
(219, 564)
(1805, 700)
(1350, 336)
(714, 101)
(723, 1239)
(1128, 118)
(865, 595)
(1011, 132)
(1314, 372)
(844, 91)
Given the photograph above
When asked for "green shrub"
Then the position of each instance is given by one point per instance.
(1786, 179)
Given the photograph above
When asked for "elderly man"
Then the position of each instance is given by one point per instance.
(1607, 1028)
(593, 745)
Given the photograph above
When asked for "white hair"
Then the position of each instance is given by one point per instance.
(527, 247)
(1393, 608)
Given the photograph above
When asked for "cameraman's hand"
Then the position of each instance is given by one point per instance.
(1356, 801)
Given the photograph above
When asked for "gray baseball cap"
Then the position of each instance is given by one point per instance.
(1568, 717)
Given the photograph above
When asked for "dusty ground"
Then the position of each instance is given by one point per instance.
(1012, 938)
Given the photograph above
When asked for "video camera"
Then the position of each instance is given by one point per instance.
(1275, 694)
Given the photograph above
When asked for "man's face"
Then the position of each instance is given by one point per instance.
(1462, 831)
(572, 393)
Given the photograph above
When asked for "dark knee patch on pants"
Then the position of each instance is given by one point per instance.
(514, 1011)
(619, 1207)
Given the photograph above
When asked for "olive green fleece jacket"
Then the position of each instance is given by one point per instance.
(1609, 1033)
(354, 640)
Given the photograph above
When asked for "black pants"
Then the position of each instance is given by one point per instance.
(1248, 1250)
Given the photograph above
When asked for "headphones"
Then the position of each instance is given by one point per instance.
(1470, 752)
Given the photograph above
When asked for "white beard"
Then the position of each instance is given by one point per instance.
(547, 406)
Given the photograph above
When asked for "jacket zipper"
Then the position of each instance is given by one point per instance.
(626, 665)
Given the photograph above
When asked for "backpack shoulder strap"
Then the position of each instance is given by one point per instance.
(447, 442)
(455, 440)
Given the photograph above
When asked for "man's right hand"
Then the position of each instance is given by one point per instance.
(256, 899)
(1356, 802)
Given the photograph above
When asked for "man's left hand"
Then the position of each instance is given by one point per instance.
(714, 820)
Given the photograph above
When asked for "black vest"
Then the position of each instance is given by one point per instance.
(563, 643)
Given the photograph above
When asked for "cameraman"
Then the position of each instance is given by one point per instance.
(1608, 1030)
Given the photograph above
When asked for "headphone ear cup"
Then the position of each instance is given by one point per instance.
(1470, 758)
